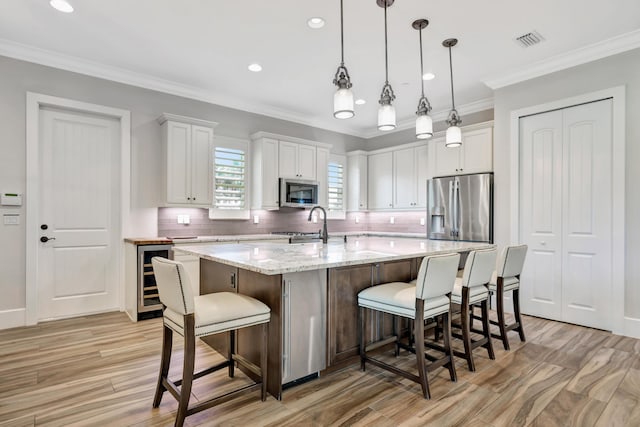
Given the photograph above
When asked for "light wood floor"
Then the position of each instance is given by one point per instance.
(101, 371)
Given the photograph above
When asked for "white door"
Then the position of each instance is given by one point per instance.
(566, 179)
(77, 269)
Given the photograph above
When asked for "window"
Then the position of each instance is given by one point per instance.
(230, 177)
(336, 186)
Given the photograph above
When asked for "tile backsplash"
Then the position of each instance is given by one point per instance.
(283, 220)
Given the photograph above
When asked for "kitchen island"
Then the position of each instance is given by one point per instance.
(312, 291)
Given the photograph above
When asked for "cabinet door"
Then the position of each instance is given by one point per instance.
(307, 162)
(269, 184)
(380, 181)
(288, 159)
(404, 177)
(201, 165)
(423, 173)
(447, 160)
(178, 159)
(356, 182)
(342, 306)
(322, 166)
(477, 150)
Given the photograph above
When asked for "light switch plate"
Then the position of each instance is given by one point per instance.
(11, 219)
(256, 219)
(357, 219)
(421, 221)
(392, 220)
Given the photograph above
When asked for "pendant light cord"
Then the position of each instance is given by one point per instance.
(341, 35)
(421, 64)
(453, 102)
(386, 59)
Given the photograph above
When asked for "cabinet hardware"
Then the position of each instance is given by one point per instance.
(45, 239)
(44, 226)
(233, 280)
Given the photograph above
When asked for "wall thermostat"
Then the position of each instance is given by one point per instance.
(11, 199)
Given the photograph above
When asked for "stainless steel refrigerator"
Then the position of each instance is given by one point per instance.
(460, 208)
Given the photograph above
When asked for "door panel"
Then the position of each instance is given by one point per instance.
(587, 221)
(201, 165)
(541, 215)
(79, 181)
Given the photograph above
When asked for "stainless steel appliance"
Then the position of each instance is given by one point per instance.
(460, 208)
(298, 193)
(148, 298)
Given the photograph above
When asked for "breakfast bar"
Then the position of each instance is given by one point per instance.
(312, 291)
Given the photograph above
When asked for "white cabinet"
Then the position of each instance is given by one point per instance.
(357, 181)
(187, 146)
(380, 185)
(264, 176)
(297, 160)
(322, 172)
(410, 172)
(474, 156)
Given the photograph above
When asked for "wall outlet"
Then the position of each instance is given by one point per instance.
(357, 219)
(314, 218)
(422, 221)
(392, 220)
(11, 219)
(184, 219)
(256, 219)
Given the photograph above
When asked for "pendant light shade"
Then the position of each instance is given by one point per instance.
(454, 134)
(343, 98)
(386, 111)
(424, 123)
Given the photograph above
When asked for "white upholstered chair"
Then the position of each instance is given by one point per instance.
(427, 298)
(200, 316)
(507, 278)
(469, 290)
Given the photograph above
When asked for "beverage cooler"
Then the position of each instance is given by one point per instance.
(148, 298)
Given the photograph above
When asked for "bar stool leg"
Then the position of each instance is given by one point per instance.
(501, 322)
(486, 329)
(263, 360)
(516, 312)
(447, 346)
(165, 361)
(361, 332)
(232, 348)
(419, 340)
(187, 368)
(466, 333)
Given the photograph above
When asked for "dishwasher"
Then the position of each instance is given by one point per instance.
(304, 328)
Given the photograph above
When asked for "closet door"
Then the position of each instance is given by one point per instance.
(566, 214)
(586, 207)
(541, 214)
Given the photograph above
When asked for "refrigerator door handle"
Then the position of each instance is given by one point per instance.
(452, 215)
(457, 206)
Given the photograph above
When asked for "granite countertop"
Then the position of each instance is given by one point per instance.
(279, 258)
(245, 237)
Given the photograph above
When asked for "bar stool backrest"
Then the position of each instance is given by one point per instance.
(511, 261)
(437, 275)
(173, 284)
(479, 267)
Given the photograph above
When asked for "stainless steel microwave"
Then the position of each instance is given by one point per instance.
(298, 193)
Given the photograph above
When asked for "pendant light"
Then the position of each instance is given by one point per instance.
(343, 98)
(386, 111)
(454, 135)
(424, 123)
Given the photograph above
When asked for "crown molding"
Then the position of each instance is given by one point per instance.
(75, 64)
(609, 47)
(472, 107)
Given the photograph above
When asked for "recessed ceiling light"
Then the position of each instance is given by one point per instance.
(428, 76)
(255, 67)
(61, 5)
(360, 102)
(315, 22)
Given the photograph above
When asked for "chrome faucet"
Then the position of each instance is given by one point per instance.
(325, 235)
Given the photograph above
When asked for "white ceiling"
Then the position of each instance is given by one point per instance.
(201, 48)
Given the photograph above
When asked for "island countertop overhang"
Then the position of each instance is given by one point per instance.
(282, 258)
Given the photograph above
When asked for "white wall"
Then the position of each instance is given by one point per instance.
(622, 69)
(18, 77)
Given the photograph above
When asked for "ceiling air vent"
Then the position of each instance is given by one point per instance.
(529, 39)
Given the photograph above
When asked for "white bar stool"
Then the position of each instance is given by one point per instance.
(200, 316)
(426, 298)
(469, 290)
(507, 278)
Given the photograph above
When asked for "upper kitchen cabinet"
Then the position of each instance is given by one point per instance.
(297, 160)
(187, 146)
(264, 176)
(357, 181)
(410, 174)
(474, 156)
(380, 185)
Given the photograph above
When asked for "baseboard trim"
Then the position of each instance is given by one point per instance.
(631, 327)
(13, 318)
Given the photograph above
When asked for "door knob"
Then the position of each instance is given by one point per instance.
(45, 239)
(44, 226)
